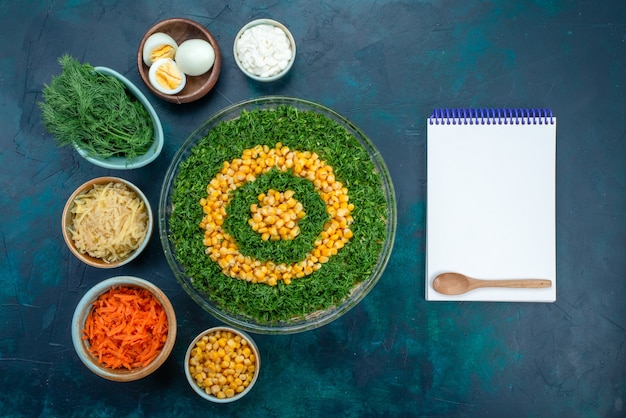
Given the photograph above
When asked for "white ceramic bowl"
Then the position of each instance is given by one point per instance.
(292, 45)
(121, 163)
(82, 346)
(66, 222)
(200, 391)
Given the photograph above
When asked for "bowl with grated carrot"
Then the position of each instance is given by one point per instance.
(107, 222)
(124, 328)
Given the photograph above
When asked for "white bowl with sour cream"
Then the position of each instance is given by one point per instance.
(264, 50)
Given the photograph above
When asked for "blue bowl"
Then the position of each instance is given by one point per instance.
(121, 163)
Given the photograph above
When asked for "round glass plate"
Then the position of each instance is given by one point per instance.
(335, 286)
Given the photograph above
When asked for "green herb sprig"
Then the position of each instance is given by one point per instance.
(95, 112)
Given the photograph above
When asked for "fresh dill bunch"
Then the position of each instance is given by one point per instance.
(95, 112)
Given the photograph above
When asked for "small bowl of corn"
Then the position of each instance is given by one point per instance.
(222, 364)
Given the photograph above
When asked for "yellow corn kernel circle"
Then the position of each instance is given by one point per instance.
(222, 363)
(277, 216)
(223, 249)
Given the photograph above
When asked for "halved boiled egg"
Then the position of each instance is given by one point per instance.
(166, 77)
(159, 45)
(195, 57)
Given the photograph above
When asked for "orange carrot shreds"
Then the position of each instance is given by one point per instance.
(126, 328)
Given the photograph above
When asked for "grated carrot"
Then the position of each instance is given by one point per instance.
(126, 328)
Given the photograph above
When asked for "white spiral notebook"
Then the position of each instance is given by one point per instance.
(491, 200)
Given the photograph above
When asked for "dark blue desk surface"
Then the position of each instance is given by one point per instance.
(385, 65)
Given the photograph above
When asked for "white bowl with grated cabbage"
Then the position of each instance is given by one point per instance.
(107, 222)
(264, 50)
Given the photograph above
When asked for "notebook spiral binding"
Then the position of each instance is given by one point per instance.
(491, 116)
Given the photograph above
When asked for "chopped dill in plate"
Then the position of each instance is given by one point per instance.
(95, 112)
(328, 285)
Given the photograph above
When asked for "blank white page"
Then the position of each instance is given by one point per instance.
(491, 207)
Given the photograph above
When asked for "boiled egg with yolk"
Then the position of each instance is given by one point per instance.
(159, 45)
(195, 57)
(166, 77)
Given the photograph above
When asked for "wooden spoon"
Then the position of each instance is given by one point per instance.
(457, 284)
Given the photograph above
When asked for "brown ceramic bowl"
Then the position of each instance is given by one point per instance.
(81, 345)
(67, 218)
(181, 30)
